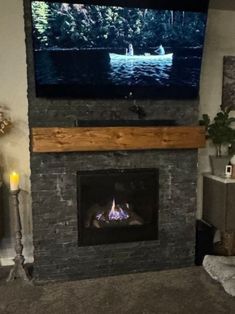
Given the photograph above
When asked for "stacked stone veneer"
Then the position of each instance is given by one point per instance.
(54, 189)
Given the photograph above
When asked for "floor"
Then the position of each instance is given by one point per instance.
(183, 291)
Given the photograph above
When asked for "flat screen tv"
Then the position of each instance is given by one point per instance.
(118, 49)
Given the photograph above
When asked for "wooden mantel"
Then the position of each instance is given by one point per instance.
(78, 139)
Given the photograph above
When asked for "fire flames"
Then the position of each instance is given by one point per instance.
(116, 213)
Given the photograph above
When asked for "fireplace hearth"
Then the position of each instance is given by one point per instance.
(117, 205)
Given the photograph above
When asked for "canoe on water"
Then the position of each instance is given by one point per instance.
(116, 56)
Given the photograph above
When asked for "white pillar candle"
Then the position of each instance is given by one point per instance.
(14, 181)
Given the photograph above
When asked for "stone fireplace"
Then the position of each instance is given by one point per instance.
(57, 251)
(71, 236)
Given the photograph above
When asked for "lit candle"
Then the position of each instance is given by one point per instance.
(14, 181)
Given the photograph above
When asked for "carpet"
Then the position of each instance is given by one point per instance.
(182, 291)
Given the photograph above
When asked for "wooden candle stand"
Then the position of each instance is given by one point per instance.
(18, 270)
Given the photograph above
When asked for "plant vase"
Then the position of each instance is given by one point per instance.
(218, 164)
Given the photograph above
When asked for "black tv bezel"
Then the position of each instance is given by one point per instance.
(179, 5)
(118, 91)
(113, 91)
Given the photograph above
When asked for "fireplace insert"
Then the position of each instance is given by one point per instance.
(117, 206)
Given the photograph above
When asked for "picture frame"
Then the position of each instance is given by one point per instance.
(228, 91)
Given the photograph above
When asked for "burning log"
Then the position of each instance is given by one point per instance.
(115, 216)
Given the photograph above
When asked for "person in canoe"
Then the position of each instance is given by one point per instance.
(130, 50)
(160, 50)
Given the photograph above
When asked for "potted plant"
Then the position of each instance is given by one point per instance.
(220, 132)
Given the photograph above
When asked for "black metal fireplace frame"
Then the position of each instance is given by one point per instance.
(94, 236)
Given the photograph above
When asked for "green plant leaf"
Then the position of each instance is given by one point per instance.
(219, 130)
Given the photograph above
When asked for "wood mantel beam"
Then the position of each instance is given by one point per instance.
(78, 139)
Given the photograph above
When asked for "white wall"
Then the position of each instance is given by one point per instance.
(222, 4)
(220, 41)
(14, 147)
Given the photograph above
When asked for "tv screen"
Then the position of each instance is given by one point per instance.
(117, 49)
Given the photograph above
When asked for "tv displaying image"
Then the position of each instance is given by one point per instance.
(116, 49)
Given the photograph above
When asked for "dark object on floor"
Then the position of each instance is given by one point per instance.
(204, 241)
